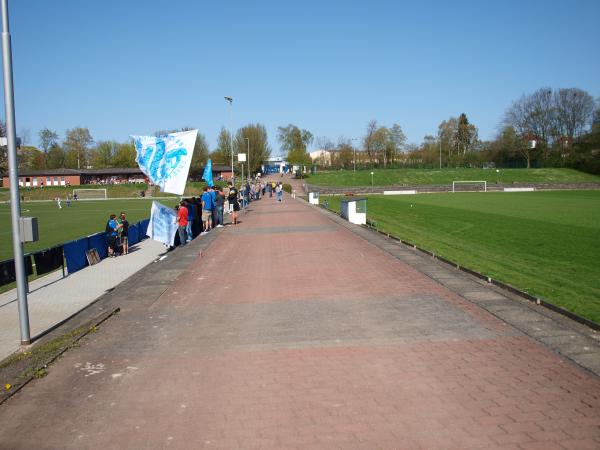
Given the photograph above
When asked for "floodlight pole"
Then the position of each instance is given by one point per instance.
(230, 100)
(440, 153)
(248, 140)
(15, 205)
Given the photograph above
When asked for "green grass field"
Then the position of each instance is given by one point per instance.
(545, 243)
(420, 177)
(61, 225)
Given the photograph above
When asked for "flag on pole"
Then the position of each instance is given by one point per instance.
(207, 175)
(166, 159)
(163, 224)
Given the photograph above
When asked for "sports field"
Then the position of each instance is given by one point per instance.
(420, 177)
(61, 225)
(546, 243)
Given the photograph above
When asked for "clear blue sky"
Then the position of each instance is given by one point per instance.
(134, 67)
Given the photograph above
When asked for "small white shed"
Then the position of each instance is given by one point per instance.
(354, 210)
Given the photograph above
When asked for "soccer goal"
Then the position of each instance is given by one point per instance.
(469, 186)
(90, 194)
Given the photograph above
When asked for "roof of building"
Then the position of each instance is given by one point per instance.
(75, 172)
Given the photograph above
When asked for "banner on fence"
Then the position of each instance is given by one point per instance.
(162, 226)
(166, 159)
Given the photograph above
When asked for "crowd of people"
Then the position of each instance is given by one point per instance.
(117, 230)
(196, 216)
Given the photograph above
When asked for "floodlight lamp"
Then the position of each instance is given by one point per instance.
(229, 99)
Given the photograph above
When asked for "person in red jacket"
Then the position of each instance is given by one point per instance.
(182, 221)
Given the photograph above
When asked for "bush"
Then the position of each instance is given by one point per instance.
(287, 188)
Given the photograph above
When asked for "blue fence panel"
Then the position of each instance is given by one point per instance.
(99, 241)
(143, 227)
(75, 254)
(133, 234)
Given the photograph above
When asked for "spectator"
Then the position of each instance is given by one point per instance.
(234, 205)
(124, 233)
(112, 229)
(213, 197)
(207, 207)
(219, 204)
(182, 221)
(191, 213)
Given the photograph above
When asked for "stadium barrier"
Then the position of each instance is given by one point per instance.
(72, 254)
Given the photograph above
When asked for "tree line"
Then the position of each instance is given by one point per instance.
(548, 128)
(78, 150)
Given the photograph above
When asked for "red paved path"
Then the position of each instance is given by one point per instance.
(292, 332)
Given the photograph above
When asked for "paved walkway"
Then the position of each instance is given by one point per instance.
(292, 331)
(53, 298)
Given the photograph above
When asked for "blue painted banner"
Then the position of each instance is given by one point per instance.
(162, 226)
(166, 159)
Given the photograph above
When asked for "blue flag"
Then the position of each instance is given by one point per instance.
(207, 176)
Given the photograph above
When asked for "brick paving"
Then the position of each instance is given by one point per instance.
(290, 331)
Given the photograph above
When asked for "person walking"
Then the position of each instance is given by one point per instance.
(279, 192)
(182, 221)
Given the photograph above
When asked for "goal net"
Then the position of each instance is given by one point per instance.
(469, 186)
(90, 194)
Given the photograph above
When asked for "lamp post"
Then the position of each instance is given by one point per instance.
(248, 141)
(371, 182)
(15, 205)
(230, 100)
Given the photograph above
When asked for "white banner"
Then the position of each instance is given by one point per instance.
(162, 226)
(166, 159)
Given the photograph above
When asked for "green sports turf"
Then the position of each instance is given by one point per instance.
(420, 177)
(61, 225)
(546, 243)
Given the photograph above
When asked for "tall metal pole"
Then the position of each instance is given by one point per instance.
(230, 100)
(440, 153)
(15, 206)
(248, 140)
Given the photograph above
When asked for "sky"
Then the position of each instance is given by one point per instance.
(132, 67)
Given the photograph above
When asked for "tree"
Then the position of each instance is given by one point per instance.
(55, 158)
(48, 138)
(397, 137)
(200, 155)
(258, 142)
(574, 113)
(222, 154)
(124, 155)
(76, 145)
(295, 142)
(102, 156)
(369, 142)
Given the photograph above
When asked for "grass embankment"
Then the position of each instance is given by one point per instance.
(420, 177)
(545, 243)
(83, 218)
